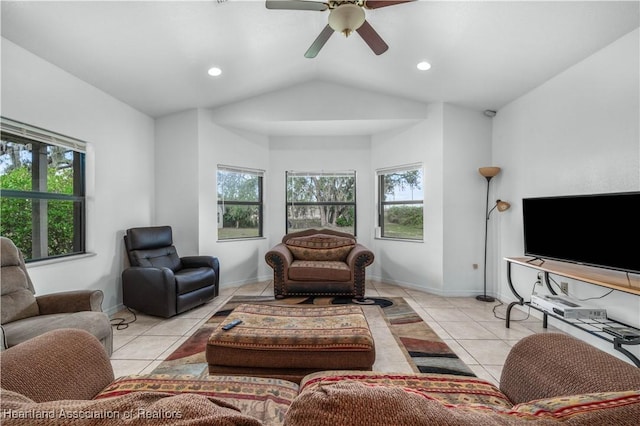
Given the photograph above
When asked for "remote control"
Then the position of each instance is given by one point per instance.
(231, 324)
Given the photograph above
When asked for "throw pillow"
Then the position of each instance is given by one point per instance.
(321, 247)
(140, 408)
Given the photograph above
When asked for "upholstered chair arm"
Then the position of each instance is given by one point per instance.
(547, 365)
(201, 261)
(150, 290)
(57, 365)
(70, 301)
(359, 257)
(279, 255)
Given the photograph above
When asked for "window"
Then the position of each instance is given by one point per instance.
(42, 191)
(321, 200)
(400, 210)
(239, 203)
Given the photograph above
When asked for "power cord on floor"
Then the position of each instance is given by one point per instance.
(122, 323)
(495, 314)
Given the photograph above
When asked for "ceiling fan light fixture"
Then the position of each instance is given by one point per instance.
(214, 71)
(346, 18)
(423, 66)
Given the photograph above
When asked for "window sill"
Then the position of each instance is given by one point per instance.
(231, 240)
(406, 240)
(46, 262)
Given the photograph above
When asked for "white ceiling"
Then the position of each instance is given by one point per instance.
(154, 55)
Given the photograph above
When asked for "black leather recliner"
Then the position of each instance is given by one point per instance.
(161, 283)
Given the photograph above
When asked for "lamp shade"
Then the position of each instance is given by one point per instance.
(489, 172)
(502, 205)
(346, 18)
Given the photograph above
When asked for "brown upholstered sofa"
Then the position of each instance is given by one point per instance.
(319, 262)
(548, 378)
(25, 315)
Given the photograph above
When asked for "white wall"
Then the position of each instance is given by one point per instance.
(579, 133)
(177, 186)
(120, 184)
(467, 147)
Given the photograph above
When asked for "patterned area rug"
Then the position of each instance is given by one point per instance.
(425, 351)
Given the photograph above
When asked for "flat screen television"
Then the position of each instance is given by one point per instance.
(600, 230)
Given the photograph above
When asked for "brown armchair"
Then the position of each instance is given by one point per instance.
(25, 316)
(319, 262)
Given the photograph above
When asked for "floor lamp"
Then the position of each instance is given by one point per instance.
(489, 173)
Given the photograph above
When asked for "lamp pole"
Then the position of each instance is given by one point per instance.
(483, 297)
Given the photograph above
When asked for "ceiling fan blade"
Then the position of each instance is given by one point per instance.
(297, 5)
(376, 4)
(371, 37)
(319, 42)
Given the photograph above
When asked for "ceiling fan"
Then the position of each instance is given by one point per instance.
(345, 16)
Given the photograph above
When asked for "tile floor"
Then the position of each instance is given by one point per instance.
(468, 326)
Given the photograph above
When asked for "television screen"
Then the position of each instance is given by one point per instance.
(598, 230)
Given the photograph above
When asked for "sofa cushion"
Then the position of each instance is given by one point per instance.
(358, 403)
(320, 247)
(595, 408)
(140, 408)
(265, 399)
(312, 270)
(446, 388)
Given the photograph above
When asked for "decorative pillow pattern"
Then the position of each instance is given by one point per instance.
(138, 408)
(446, 388)
(321, 247)
(357, 403)
(265, 399)
(569, 406)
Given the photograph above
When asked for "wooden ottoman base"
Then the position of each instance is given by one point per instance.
(289, 342)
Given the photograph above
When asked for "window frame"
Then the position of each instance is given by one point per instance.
(288, 203)
(259, 203)
(40, 139)
(380, 178)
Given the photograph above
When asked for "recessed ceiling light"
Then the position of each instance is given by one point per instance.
(423, 66)
(214, 72)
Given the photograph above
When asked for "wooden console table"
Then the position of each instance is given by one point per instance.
(617, 280)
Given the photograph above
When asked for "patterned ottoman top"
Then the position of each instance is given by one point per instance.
(264, 327)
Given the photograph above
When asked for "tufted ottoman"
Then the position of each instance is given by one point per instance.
(289, 342)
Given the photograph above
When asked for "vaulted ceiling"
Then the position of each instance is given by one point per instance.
(154, 55)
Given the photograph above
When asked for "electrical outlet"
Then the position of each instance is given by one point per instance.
(540, 274)
(564, 287)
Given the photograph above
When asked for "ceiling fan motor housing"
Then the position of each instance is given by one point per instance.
(346, 18)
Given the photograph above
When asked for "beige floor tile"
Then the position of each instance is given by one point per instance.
(144, 347)
(125, 367)
(461, 352)
(492, 352)
(176, 326)
(119, 340)
(514, 332)
(466, 330)
(448, 314)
